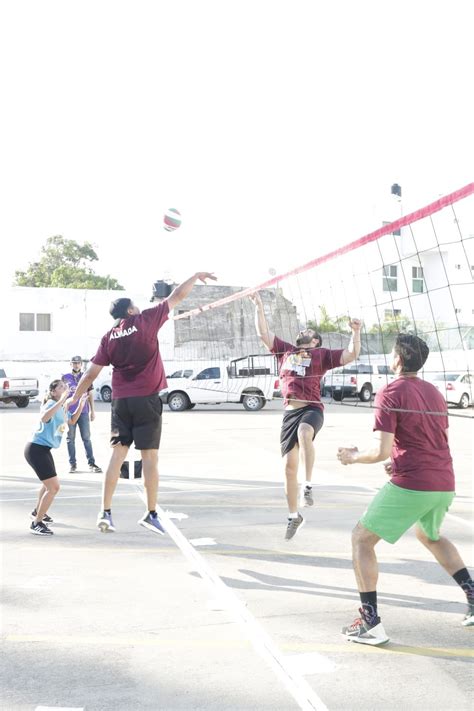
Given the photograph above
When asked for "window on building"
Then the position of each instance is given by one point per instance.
(43, 322)
(27, 322)
(417, 280)
(457, 311)
(390, 278)
(457, 266)
(35, 322)
(390, 314)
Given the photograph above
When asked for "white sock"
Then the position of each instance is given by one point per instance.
(308, 485)
(293, 515)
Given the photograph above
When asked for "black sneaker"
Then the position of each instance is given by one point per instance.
(46, 519)
(468, 620)
(365, 632)
(73, 469)
(153, 523)
(94, 468)
(294, 524)
(40, 529)
(105, 523)
(308, 496)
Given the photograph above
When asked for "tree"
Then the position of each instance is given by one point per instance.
(391, 326)
(329, 325)
(65, 263)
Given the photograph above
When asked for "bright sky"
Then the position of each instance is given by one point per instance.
(275, 128)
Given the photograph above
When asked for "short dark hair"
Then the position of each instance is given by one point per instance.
(52, 386)
(412, 350)
(119, 307)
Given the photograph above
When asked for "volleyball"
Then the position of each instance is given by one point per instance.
(171, 220)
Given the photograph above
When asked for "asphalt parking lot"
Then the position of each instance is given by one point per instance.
(222, 613)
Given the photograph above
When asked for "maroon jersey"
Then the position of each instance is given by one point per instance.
(301, 370)
(132, 349)
(421, 459)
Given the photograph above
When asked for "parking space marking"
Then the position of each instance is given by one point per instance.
(292, 649)
(304, 695)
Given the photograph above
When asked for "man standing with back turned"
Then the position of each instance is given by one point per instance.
(412, 429)
(132, 348)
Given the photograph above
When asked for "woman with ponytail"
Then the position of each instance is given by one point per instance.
(48, 435)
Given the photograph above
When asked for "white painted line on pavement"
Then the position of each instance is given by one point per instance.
(176, 516)
(310, 663)
(61, 498)
(306, 698)
(203, 542)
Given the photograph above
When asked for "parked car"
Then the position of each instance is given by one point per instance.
(103, 384)
(251, 381)
(17, 390)
(457, 387)
(185, 373)
(357, 379)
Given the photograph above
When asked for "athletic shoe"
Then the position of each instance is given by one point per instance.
(94, 468)
(365, 632)
(73, 469)
(468, 620)
(40, 529)
(293, 525)
(307, 498)
(153, 523)
(46, 519)
(105, 523)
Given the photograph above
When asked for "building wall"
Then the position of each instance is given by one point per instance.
(79, 319)
(229, 331)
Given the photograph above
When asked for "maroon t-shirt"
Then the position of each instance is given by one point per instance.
(301, 370)
(421, 459)
(132, 348)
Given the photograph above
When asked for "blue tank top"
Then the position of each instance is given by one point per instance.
(49, 434)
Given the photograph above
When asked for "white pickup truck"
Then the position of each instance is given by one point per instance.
(17, 390)
(251, 381)
(357, 379)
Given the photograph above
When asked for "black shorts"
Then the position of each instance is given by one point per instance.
(137, 419)
(292, 419)
(41, 460)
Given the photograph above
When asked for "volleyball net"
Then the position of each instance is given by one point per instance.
(411, 275)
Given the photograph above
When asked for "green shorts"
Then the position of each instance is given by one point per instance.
(394, 510)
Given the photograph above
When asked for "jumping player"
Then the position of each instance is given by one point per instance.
(132, 348)
(301, 368)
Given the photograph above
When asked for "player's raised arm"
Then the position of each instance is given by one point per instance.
(185, 288)
(261, 325)
(352, 351)
(85, 382)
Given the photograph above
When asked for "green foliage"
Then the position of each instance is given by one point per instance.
(339, 324)
(392, 326)
(65, 263)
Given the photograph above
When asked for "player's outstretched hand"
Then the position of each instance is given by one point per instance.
(388, 468)
(347, 455)
(355, 324)
(256, 299)
(202, 276)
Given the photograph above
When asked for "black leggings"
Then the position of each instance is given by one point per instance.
(40, 460)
